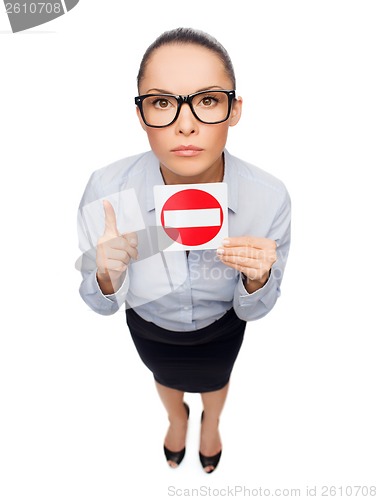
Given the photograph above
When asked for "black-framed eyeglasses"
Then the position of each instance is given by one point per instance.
(208, 106)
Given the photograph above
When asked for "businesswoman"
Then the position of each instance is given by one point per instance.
(186, 310)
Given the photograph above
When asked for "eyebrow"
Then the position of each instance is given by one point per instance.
(162, 91)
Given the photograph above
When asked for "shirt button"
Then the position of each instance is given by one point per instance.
(186, 308)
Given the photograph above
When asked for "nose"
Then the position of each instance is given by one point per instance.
(186, 122)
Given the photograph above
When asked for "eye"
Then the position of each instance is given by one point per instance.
(209, 101)
(161, 103)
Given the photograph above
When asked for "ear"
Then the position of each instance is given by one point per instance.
(144, 127)
(236, 111)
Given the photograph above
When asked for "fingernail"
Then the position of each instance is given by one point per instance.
(220, 251)
(226, 242)
(133, 242)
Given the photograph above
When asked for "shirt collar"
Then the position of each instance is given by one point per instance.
(154, 178)
(231, 179)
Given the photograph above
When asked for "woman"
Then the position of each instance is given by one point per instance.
(187, 332)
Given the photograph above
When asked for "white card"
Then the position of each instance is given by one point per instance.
(193, 216)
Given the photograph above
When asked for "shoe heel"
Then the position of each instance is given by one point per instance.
(212, 461)
(176, 456)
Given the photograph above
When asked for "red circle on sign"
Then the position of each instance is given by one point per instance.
(192, 199)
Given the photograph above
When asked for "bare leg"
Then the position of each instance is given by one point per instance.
(213, 403)
(172, 399)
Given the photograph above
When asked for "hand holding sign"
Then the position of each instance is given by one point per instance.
(114, 251)
(254, 257)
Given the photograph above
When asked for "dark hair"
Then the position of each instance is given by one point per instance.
(188, 36)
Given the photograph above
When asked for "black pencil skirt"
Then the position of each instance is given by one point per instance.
(197, 361)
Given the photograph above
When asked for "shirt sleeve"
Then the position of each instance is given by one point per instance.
(89, 288)
(252, 306)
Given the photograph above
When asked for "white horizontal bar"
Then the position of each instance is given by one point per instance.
(200, 217)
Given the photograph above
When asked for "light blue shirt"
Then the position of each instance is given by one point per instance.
(173, 290)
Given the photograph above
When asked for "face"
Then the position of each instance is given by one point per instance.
(183, 70)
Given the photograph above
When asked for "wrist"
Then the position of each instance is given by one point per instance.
(254, 285)
(107, 284)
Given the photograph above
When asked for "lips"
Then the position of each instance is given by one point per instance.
(186, 150)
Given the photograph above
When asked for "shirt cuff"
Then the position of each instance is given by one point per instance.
(103, 304)
(267, 294)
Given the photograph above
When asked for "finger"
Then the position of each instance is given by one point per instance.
(132, 238)
(120, 243)
(250, 241)
(118, 255)
(238, 267)
(110, 219)
(242, 261)
(250, 252)
(132, 251)
(115, 265)
(250, 273)
(116, 242)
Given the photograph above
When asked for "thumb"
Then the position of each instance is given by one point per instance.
(110, 219)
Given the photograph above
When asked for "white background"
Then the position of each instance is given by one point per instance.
(80, 418)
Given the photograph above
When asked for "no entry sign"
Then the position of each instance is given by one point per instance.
(193, 216)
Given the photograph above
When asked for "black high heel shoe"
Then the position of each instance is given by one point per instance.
(176, 456)
(209, 461)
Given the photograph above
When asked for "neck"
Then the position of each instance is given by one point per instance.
(213, 174)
